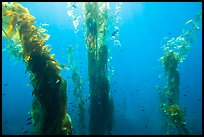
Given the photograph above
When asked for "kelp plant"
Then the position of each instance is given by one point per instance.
(176, 50)
(76, 76)
(97, 23)
(77, 85)
(49, 116)
(101, 103)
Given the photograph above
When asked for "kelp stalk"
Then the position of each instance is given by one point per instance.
(101, 104)
(49, 116)
(176, 50)
(77, 85)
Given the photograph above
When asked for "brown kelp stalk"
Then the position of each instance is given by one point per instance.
(175, 122)
(101, 104)
(49, 95)
(175, 52)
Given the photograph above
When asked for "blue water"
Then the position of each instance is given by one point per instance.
(136, 65)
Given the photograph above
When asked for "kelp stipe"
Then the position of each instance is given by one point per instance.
(97, 23)
(101, 103)
(176, 50)
(78, 88)
(49, 116)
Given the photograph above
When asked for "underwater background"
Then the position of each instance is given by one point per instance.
(133, 71)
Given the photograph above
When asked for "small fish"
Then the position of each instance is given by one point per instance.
(3, 94)
(184, 95)
(5, 84)
(74, 6)
(29, 123)
(29, 118)
(57, 81)
(142, 110)
(6, 122)
(25, 132)
(115, 32)
(146, 126)
(169, 33)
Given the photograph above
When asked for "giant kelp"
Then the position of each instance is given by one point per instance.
(101, 104)
(98, 22)
(49, 88)
(77, 88)
(176, 50)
